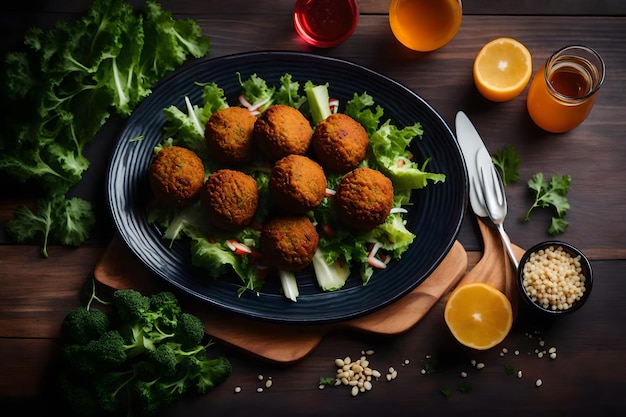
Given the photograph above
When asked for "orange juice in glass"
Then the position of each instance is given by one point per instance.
(425, 25)
(565, 88)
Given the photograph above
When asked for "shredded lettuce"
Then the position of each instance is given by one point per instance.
(255, 90)
(389, 145)
(217, 258)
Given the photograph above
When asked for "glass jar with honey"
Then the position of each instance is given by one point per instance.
(565, 88)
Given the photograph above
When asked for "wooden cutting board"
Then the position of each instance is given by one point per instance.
(120, 269)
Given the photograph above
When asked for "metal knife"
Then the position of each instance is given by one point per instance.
(486, 190)
(474, 152)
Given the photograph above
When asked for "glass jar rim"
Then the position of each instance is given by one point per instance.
(558, 53)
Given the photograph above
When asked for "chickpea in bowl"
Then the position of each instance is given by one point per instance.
(554, 278)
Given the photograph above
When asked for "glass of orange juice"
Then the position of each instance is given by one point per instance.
(425, 25)
(565, 88)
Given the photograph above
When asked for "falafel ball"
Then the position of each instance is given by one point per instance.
(289, 242)
(364, 198)
(176, 176)
(282, 130)
(230, 199)
(229, 135)
(297, 183)
(339, 143)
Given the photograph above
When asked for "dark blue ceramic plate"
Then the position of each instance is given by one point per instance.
(435, 217)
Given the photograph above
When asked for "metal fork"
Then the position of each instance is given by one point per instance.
(492, 189)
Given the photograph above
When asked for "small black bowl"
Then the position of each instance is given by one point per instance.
(585, 271)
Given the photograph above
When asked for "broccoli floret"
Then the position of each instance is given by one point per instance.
(203, 372)
(148, 321)
(165, 308)
(105, 353)
(161, 361)
(130, 305)
(111, 389)
(78, 398)
(147, 356)
(189, 331)
(147, 398)
(81, 325)
(212, 373)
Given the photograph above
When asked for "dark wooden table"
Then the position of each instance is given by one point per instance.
(589, 375)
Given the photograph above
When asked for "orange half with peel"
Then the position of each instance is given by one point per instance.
(502, 69)
(478, 315)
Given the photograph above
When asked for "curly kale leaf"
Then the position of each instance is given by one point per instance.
(62, 87)
(67, 221)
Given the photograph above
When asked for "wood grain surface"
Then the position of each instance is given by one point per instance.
(587, 378)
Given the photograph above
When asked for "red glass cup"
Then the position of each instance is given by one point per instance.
(325, 23)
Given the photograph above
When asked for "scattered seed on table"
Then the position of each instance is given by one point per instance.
(237, 389)
(463, 374)
(392, 374)
(480, 365)
(357, 374)
(519, 374)
(538, 382)
(260, 389)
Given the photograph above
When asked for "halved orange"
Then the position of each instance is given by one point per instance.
(478, 315)
(502, 69)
